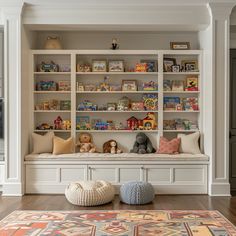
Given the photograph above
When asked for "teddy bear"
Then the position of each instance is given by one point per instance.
(111, 146)
(85, 143)
(142, 144)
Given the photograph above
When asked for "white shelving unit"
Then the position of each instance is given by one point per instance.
(72, 57)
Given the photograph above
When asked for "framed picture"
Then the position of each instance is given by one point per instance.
(151, 65)
(99, 66)
(177, 85)
(175, 68)
(116, 66)
(129, 85)
(168, 63)
(64, 85)
(190, 65)
(180, 45)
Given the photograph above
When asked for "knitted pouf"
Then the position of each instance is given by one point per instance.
(137, 193)
(90, 193)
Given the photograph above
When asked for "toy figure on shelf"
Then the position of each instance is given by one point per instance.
(58, 123)
(104, 86)
(85, 67)
(86, 106)
(149, 86)
(132, 123)
(48, 67)
(101, 126)
(111, 146)
(114, 44)
(149, 122)
(44, 126)
(46, 86)
(66, 124)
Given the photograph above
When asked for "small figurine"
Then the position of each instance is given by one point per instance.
(53, 42)
(114, 44)
(66, 124)
(85, 143)
(58, 123)
(142, 144)
(44, 126)
(111, 146)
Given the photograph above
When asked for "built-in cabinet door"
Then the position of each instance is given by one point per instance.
(232, 134)
(116, 174)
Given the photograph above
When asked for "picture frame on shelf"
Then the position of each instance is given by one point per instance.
(177, 85)
(64, 85)
(180, 45)
(116, 66)
(129, 85)
(175, 68)
(168, 63)
(99, 66)
(152, 65)
(190, 65)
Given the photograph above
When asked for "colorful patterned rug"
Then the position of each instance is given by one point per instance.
(122, 223)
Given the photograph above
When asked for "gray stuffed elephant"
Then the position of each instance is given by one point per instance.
(142, 144)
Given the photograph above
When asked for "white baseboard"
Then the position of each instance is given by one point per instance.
(219, 189)
(12, 189)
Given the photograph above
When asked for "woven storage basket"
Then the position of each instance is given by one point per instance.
(90, 193)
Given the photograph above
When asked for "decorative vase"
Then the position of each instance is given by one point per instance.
(53, 42)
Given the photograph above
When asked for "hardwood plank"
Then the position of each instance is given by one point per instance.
(225, 205)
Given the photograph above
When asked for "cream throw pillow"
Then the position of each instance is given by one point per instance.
(189, 143)
(42, 143)
(62, 146)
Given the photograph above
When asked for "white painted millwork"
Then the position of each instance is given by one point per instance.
(169, 174)
(210, 20)
(12, 73)
(220, 45)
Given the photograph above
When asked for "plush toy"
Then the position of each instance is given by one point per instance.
(85, 143)
(111, 146)
(142, 144)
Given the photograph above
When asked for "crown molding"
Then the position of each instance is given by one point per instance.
(221, 10)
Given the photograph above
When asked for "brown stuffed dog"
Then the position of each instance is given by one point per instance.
(111, 147)
(85, 143)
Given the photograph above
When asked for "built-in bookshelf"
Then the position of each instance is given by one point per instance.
(68, 72)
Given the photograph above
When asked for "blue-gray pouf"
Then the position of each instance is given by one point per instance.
(137, 193)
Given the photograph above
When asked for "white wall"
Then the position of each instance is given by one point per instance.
(127, 40)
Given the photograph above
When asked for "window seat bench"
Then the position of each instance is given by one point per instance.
(169, 174)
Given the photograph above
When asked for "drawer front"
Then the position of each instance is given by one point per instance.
(130, 173)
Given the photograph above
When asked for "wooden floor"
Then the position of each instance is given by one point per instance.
(226, 205)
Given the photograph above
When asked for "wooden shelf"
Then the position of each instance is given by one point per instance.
(180, 131)
(52, 92)
(182, 73)
(54, 130)
(115, 92)
(52, 73)
(117, 73)
(118, 131)
(52, 111)
(181, 92)
(181, 111)
(115, 111)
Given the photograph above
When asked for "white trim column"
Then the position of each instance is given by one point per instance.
(11, 17)
(220, 30)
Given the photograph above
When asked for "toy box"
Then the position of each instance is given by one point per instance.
(82, 123)
(65, 105)
(190, 104)
(48, 67)
(141, 67)
(149, 86)
(167, 85)
(137, 106)
(178, 85)
(170, 103)
(64, 86)
(46, 86)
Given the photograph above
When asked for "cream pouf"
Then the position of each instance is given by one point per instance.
(90, 193)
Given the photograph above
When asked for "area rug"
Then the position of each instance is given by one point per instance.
(123, 223)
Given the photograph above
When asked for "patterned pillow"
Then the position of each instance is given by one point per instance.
(169, 146)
